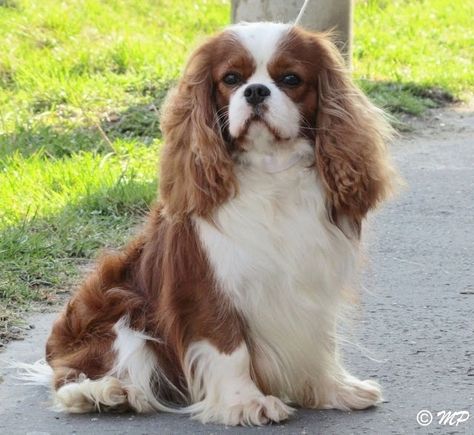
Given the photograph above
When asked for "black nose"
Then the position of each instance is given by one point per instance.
(255, 94)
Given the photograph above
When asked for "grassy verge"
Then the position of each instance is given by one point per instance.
(410, 55)
(80, 87)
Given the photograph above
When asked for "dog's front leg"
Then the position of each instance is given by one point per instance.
(223, 391)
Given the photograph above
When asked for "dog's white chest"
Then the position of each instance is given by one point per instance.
(283, 264)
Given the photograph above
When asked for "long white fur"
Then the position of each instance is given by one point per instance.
(284, 265)
(137, 368)
(222, 390)
(37, 373)
(281, 261)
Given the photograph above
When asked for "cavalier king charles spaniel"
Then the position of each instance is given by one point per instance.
(226, 306)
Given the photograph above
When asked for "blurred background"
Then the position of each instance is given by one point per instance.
(81, 84)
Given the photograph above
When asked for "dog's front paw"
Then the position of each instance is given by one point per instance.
(255, 410)
(356, 394)
(258, 411)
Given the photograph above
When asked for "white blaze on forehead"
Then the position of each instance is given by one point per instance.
(261, 39)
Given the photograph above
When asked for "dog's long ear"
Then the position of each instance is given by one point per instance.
(196, 167)
(351, 136)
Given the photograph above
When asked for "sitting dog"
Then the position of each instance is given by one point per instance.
(227, 304)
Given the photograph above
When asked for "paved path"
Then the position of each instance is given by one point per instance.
(417, 319)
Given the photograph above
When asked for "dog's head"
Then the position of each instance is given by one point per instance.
(278, 80)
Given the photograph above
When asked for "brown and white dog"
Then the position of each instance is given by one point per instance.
(226, 305)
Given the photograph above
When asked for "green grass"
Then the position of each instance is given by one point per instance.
(81, 84)
(80, 87)
(413, 54)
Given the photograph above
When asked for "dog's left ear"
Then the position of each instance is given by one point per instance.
(351, 136)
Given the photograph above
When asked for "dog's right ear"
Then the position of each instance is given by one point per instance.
(196, 168)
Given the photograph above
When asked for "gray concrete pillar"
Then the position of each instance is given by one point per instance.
(320, 15)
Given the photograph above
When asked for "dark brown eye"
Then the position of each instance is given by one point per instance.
(290, 80)
(232, 79)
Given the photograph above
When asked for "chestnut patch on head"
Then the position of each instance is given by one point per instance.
(294, 69)
(231, 68)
